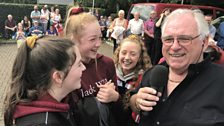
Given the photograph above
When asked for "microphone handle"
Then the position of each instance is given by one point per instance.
(146, 113)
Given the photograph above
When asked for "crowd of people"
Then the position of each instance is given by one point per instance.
(65, 81)
(40, 23)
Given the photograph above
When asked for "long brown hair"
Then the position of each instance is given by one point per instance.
(32, 69)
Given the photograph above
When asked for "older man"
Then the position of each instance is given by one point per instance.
(193, 94)
(149, 34)
(136, 25)
(36, 29)
(10, 27)
(35, 14)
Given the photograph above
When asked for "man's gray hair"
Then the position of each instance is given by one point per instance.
(202, 25)
(9, 15)
(121, 11)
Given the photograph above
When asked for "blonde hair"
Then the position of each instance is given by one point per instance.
(144, 61)
(121, 12)
(75, 24)
(142, 65)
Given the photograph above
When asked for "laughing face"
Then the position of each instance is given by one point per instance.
(129, 56)
(179, 56)
(90, 41)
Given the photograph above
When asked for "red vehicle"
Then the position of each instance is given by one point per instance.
(146, 8)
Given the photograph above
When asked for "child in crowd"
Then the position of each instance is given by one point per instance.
(20, 35)
(44, 72)
(59, 29)
(51, 32)
(131, 60)
(99, 78)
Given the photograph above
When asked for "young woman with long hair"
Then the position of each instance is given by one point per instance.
(45, 71)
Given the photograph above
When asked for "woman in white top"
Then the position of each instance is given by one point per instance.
(119, 26)
(57, 16)
(56, 22)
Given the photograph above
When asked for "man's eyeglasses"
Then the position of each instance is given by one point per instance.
(182, 40)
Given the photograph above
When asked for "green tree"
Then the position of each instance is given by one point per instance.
(19, 1)
(218, 3)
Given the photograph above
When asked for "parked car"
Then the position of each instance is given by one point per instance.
(145, 9)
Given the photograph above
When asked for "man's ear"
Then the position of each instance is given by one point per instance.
(57, 77)
(205, 43)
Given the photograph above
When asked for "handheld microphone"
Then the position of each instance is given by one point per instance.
(158, 79)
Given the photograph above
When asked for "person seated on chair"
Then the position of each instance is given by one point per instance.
(26, 24)
(20, 35)
(10, 27)
(36, 29)
(52, 31)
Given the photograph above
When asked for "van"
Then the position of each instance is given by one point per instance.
(146, 8)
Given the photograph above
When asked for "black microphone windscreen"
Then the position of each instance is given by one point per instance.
(159, 76)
